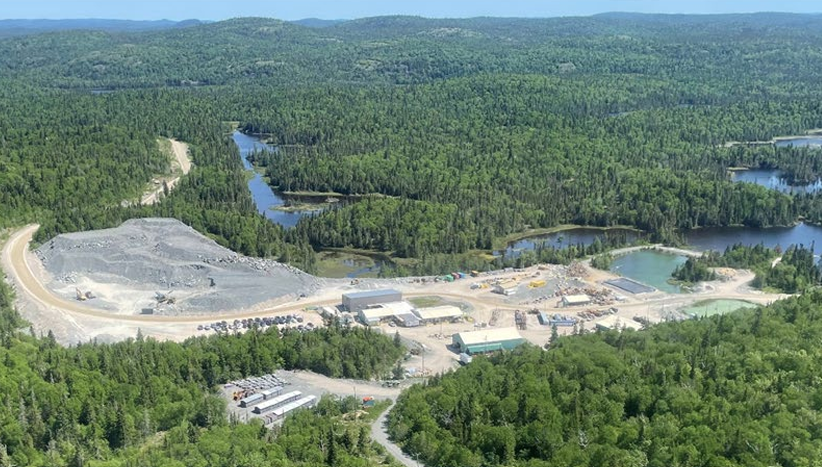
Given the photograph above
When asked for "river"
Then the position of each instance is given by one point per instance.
(265, 198)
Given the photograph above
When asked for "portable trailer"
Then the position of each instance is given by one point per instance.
(269, 393)
(280, 412)
(251, 400)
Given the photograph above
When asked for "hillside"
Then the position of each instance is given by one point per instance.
(735, 390)
(476, 128)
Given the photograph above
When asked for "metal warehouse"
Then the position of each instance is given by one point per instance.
(487, 340)
(436, 314)
(384, 311)
(356, 301)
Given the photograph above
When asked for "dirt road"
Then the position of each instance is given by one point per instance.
(181, 163)
(379, 433)
(81, 322)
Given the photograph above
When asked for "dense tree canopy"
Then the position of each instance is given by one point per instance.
(733, 390)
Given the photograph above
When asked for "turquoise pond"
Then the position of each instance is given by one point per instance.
(649, 267)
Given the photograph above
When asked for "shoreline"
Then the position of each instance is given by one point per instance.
(808, 133)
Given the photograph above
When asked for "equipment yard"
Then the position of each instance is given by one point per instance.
(170, 282)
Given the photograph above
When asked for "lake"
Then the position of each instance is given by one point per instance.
(265, 197)
(812, 141)
(564, 238)
(773, 179)
(649, 267)
(719, 238)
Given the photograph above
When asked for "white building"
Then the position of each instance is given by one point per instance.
(506, 287)
(438, 313)
(576, 300)
(383, 312)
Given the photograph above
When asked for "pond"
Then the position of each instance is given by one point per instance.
(649, 267)
(337, 264)
(266, 198)
(716, 307)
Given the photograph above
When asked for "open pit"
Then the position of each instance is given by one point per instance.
(164, 267)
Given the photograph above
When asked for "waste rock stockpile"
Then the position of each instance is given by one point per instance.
(162, 266)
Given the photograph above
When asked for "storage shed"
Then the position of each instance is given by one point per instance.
(356, 301)
(576, 300)
(506, 287)
(436, 314)
(487, 340)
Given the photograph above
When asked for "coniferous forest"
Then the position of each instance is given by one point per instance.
(458, 133)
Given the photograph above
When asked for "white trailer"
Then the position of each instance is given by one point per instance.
(279, 400)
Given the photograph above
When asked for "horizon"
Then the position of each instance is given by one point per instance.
(212, 10)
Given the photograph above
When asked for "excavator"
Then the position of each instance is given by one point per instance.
(83, 296)
(164, 297)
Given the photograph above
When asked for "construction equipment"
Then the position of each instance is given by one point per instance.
(537, 284)
(80, 295)
(164, 298)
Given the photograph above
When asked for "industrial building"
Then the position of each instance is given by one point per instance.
(617, 323)
(437, 314)
(356, 301)
(576, 300)
(506, 287)
(487, 340)
(388, 311)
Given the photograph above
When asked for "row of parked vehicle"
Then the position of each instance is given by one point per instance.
(259, 322)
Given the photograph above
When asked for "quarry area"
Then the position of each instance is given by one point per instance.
(168, 281)
(163, 267)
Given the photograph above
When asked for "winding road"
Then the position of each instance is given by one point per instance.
(379, 433)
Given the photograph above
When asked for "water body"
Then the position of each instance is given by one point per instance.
(265, 198)
(773, 179)
(649, 267)
(339, 264)
(719, 238)
(565, 238)
(808, 141)
(716, 307)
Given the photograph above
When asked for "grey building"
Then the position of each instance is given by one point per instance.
(357, 301)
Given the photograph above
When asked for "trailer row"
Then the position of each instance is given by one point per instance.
(261, 396)
(270, 404)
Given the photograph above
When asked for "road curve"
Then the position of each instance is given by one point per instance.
(15, 263)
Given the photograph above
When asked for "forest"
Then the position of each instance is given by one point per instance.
(733, 390)
(103, 404)
(461, 131)
(793, 271)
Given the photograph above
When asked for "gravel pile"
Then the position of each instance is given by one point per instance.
(164, 255)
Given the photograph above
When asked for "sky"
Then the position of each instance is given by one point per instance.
(349, 9)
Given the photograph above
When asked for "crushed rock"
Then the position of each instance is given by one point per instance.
(167, 255)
